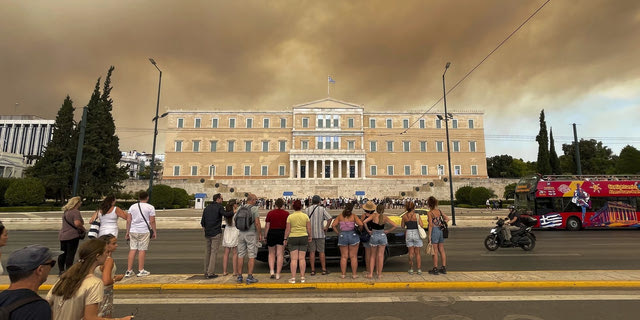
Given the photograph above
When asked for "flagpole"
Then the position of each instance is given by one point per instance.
(328, 85)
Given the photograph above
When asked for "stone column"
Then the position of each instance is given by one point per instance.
(290, 169)
(322, 162)
(340, 168)
(356, 167)
(315, 168)
(298, 167)
(363, 170)
(331, 168)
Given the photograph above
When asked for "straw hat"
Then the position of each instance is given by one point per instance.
(369, 206)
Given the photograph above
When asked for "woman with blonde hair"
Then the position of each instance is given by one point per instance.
(70, 233)
(108, 214)
(107, 272)
(348, 239)
(437, 219)
(375, 226)
(412, 238)
(297, 236)
(78, 292)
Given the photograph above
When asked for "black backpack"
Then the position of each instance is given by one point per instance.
(5, 311)
(244, 218)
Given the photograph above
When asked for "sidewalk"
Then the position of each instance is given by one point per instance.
(521, 280)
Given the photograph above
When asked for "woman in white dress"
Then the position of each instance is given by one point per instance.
(230, 241)
(108, 214)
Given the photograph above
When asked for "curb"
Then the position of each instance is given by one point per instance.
(442, 285)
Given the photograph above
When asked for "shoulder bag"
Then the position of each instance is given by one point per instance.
(429, 249)
(81, 233)
(423, 234)
(151, 233)
(444, 227)
(94, 229)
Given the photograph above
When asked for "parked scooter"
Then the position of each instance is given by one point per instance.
(522, 237)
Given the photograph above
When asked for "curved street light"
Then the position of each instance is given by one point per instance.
(155, 130)
(448, 116)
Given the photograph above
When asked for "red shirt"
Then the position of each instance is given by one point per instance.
(277, 219)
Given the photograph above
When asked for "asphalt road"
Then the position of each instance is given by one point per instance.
(385, 306)
(181, 251)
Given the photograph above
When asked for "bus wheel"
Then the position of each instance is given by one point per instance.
(491, 243)
(573, 224)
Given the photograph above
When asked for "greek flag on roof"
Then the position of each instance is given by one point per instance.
(331, 80)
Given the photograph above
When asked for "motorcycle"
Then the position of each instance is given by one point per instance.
(522, 237)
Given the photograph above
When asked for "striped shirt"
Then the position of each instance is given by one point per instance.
(317, 218)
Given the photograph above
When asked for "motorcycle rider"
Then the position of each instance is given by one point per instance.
(512, 223)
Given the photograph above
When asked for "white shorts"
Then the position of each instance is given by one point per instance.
(139, 241)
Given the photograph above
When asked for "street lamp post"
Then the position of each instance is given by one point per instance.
(155, 130)
(446, 126)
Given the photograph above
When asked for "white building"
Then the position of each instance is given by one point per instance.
(25, 135)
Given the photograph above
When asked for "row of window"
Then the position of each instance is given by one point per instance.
(373, 170)
(325, 121)
(323, 143)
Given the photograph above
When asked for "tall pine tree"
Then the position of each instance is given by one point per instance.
(55, 167)
(100, 174)
(544, 167)
(553, 156)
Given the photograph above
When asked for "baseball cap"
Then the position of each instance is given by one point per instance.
(30, 257)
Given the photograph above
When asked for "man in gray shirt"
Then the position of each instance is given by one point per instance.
(318, 215)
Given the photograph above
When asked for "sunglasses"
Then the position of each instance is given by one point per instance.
(369, 211)
(51, 263)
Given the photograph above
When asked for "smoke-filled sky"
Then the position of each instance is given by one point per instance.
(578, 60)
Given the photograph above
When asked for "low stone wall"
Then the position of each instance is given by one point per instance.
(373, 188)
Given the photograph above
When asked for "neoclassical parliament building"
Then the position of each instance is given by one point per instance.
(322, 140)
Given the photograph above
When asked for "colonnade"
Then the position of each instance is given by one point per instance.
(317, 169)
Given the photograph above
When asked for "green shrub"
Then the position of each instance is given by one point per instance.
(180, 198)
(27, 191)
(480, 195)
(509, 191)
(162, 196)
(463, 195)
(4, 185)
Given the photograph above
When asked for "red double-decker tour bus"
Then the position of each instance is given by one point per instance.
(576, 202)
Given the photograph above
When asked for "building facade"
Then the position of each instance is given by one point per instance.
(25, 134)
(324, 139)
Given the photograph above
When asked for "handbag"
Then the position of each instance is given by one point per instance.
(444, 227)
(94, 229)
(363, 234)
(429, 249)
(81, 233)
(151, 233)
(423, 234)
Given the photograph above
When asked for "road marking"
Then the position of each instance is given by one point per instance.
(530, 254)
(375, 299)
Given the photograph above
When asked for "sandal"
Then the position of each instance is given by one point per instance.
(273, 276)
(343, 276)
(292, 280)
(313, 272)
(325, 272)
(225, 274)
(277, 277)
(302, 279)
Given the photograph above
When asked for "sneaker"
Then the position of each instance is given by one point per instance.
(128, 274)
(239, 280)
(419, 271)
(434, 271)
(143, 273)
(212, 276)
(251, 279)
(410, 271)
(443, 270)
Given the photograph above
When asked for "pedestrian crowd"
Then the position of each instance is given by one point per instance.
(84, 288)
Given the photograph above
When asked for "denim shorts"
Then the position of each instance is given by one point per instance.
(378, 238)
(412, 238)
(348, 238)
(436, 235)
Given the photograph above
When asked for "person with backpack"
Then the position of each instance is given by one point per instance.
(318, 215)
(28, 268)
(247, 220)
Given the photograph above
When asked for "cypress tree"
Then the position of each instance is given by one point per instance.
(543, 165)
(55, 167)
(553, 156)
(100, 174)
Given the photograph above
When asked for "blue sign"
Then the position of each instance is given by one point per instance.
(201, 195)
(359, 193)
(287, 193)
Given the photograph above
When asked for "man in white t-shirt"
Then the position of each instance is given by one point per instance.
(141, 224)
